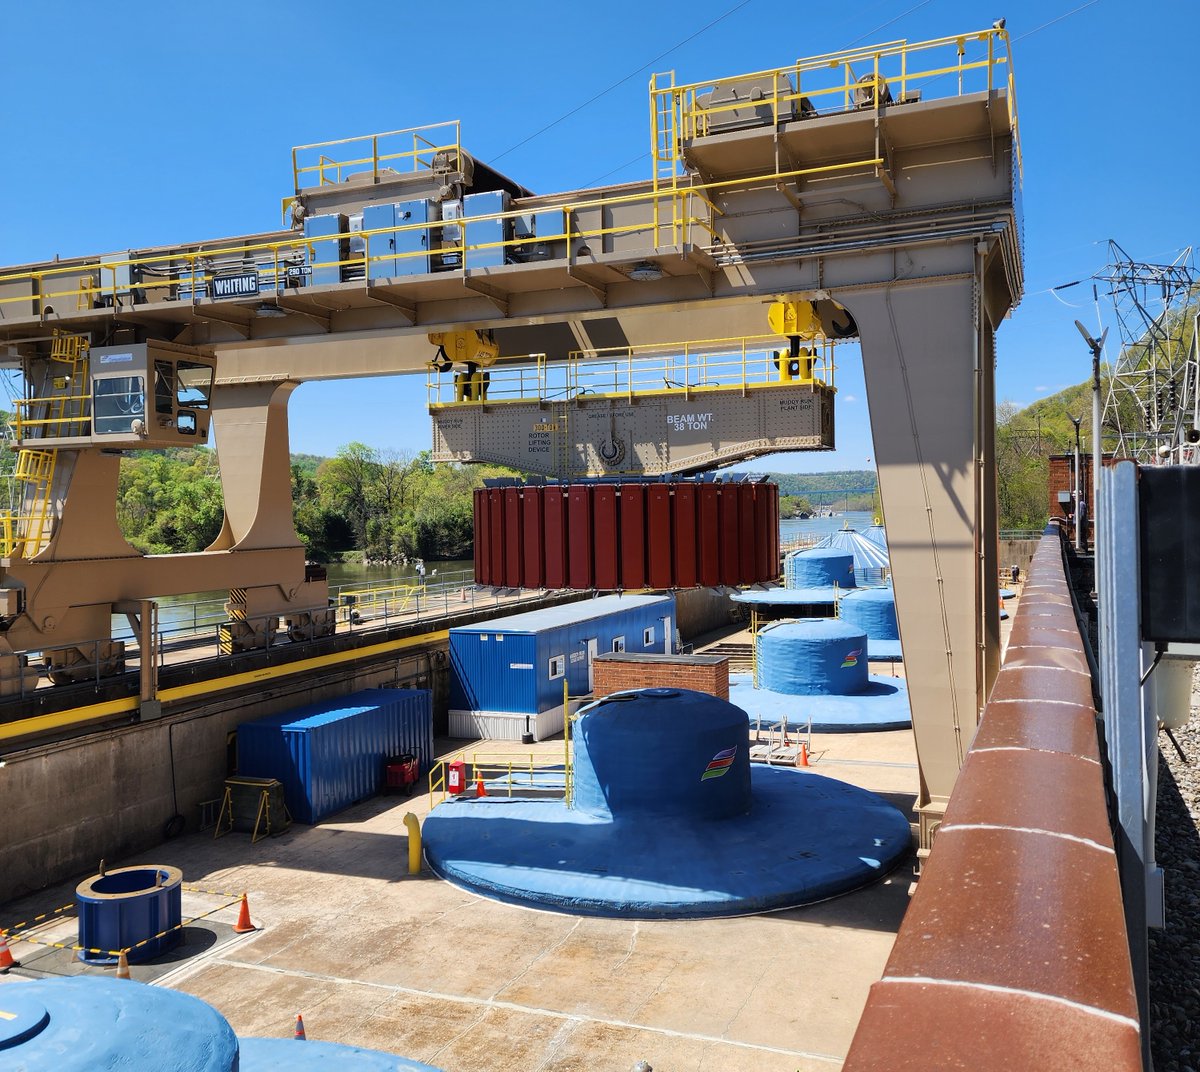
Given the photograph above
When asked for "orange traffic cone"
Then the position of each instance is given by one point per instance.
(479, 789)
(6, 957)
(802, 759)
(243, 925)
(122, 965)
(299, 1034)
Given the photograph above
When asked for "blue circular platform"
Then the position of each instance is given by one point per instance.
(883, 705)
(88, 1023)
(294, 1055)
(788, 597)
(672, 822)
(806, 838)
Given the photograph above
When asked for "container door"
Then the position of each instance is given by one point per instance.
(668, 635)
(593, 648)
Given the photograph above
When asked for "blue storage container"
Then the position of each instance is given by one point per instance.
(331, 754)
(508, 668)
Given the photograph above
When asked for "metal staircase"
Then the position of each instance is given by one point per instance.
(55, 409)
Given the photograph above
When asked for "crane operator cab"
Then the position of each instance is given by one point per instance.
(138, 395)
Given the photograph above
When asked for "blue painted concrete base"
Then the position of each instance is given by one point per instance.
(883, 705)
(806, 838)
(295, 1055)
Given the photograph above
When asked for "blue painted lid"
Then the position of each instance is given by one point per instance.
(87, 1023)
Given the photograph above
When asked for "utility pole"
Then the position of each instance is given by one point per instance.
(1078, 488)
(1096, 346)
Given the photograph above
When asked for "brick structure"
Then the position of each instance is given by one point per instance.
(614, 671)
(1061, 478)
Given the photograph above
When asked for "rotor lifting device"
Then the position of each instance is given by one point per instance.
(642, 410)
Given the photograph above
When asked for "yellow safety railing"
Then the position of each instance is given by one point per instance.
(675, 209)
(514, 770)
(863, 78)
(640, 371)
(408, 150)
(384, 599)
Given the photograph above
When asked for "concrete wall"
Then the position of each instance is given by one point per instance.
(1017, 553)
(109, 795)
(701, 610)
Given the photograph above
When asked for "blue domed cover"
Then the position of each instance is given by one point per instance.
(813, 657)
(99, 1024)
(872, 610)
(293, 1055)
(662, 752)
(818, 567)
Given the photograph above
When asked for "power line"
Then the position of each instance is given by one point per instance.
(621, 82)
(1067, 15)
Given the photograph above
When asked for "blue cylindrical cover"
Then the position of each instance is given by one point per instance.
(138, 909)
(819, 567)
(662, 752)
(813, 657)
(873, 610)
(275, 1055)
(90, 1023)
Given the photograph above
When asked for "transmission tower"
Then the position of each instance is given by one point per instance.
(1152, 401)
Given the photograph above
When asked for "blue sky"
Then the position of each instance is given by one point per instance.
(148, 124)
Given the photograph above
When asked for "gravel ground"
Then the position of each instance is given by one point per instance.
(1175, 951)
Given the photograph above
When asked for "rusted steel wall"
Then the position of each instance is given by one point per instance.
(1013, 954)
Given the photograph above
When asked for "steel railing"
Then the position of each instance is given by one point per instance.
(636, 371)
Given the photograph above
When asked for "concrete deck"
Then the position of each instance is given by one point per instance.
(415, 966)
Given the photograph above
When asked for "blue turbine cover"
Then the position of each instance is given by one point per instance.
(278, 1055)
(867, 553)
(819, 567)
(90, 1024)
(813, 657)
(662, 752)
(872, 610)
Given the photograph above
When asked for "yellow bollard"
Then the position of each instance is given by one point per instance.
(414, 843)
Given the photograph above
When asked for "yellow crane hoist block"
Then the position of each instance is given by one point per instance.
(794, 319)
(468, 347)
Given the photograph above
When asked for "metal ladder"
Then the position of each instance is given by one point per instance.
(26, 531)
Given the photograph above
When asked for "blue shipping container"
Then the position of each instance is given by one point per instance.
(518, 663)
(329, 755)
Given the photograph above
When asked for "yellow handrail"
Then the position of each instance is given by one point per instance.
(687, 368)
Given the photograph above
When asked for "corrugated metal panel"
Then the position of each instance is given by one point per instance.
(588, 536)
(658, 536)
(633, 536)
(493, 671)
(730, 558)
(556, 538)
(709, 535)
(513, 543)
(513, 674)
(533, 565)
(629, 619)
(330, 755)
(605, 542)
(482, 525)
(496, 535)
(579, 525)
(684, 517)
(763, 543)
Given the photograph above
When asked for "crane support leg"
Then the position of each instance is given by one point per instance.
(927, 356)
